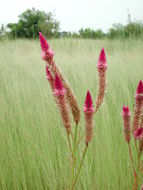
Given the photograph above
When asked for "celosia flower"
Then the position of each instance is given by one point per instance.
(88, 104)
(126, 121)
(139, 92)
(43, 42)
(138, 106)
(47, 53)
(102, 66)
(102, 62)
(58, 88)
(138, 133)
(142, 187)
(59, 93)
(88, 113)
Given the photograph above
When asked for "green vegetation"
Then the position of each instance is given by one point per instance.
(34, 153)
(33, 21)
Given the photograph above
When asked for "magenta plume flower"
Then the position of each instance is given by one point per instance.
(102, 66)
(58, 87)
(88, 113)
(102, 62)
(88, 104)
(138, 133)
(126, 122)
(126, 111)
(43, 42)
(60, 96)
(142, 187)
(47, 53)
(138, 106)
(139, 91)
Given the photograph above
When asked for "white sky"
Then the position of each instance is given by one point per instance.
(75, 14)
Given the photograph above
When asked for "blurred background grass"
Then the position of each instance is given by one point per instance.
(33, 144)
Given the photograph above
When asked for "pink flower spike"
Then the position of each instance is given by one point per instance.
(43, 42)
(88, 104)
(140, 88)
(138, 133)
(142, 187)
(102, 62)
(126, 111)
(58, 87)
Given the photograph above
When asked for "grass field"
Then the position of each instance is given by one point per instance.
(33, 144)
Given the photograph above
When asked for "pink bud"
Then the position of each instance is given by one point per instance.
(126, 111)
(44, 44)
(58, 87)
(102, 62)
(88, 104)
(138, 133)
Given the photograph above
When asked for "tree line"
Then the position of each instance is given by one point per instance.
(32, 21)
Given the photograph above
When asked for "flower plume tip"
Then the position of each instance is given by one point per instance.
(43, 42)
(140, 88)
(102, 61)
(88, 104)
(125, 111)
(58, 87)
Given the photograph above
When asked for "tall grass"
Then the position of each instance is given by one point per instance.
(33, 144)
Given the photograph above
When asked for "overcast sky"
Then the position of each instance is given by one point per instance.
(75, 14)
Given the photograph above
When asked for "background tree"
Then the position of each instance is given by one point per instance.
(31, 22)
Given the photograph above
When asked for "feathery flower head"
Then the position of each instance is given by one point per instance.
(138, 133)
(102, 62)
(43, 42)
(126, 111)
(58, 87)
(46, 51)
(88, 104)
(142, 187)
(140, 88)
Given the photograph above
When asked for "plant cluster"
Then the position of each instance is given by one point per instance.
(66, 101)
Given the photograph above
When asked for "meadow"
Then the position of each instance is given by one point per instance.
(33, 143)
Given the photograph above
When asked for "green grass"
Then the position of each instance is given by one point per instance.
(33, 142)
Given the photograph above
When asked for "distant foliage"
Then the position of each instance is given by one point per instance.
(90, 33)
(31, 22)
(131, 30)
